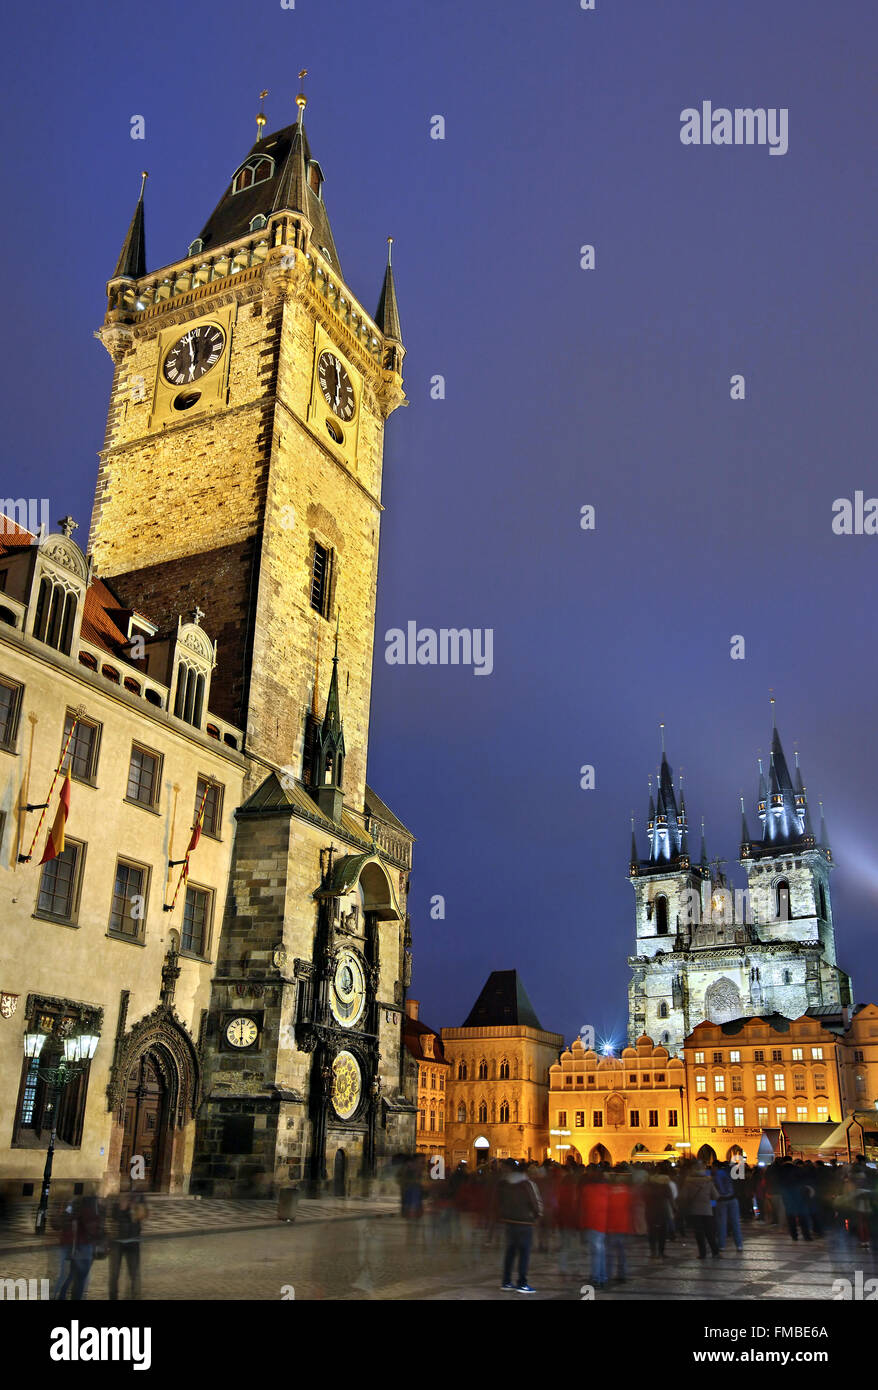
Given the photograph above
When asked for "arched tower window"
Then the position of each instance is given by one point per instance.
(663, 1010)
(254, 171)
(483, 1070)
(504, 1070)
(504, 1112)
(661, 915)
(821, 901)
(483, 1112)
(461, 1071)
(461, 1113)
(782, 900)
(55, 616)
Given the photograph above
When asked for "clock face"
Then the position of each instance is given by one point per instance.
(347, 991)
(193, 355)
(242, 1032)
(336, 386)
(347, 1084)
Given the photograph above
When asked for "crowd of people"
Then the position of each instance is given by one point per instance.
(589, 1215)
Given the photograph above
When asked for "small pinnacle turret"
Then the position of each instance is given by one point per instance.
(131, 264)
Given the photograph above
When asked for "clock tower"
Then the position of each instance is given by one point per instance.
(241, 475)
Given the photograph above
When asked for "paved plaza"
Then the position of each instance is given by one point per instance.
(349, 1250)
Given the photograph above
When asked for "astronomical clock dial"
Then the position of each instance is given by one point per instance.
(336, 386)
(347, 990)
(241, 1032)
(347, 1085)
(193, 355)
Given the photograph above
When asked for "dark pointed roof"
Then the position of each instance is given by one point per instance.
(332, 717)
(387, 313)
(502, 1003)
(131, 264)
(291, 153)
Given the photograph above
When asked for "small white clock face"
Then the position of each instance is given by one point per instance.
(193, 355)
(242, 1032)
(347, 991)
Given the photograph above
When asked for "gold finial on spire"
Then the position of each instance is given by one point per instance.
(771, 699)
(662, 727)
(143, 178)
(301, 99)
(260, 115)
(389, 249)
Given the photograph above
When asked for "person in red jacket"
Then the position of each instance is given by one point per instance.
(620, 1222)
(595, 1192)
(569, 1208)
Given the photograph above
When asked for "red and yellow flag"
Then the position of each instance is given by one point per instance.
(55, 837)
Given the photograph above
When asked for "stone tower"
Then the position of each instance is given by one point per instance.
(705, 950)
(241, 475)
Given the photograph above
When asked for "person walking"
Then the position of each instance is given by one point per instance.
(728, 1212)
(127, 1215)
(89, 1231)
(595, 1201)
(65, 1224)
(658, 1210)
(699, 1194)
(620, 1222)
(519, 1207)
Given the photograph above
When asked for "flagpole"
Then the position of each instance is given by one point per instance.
(26, 858)
(184, 872)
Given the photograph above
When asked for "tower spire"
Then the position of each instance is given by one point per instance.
(131, 264)
(387, 313)
(260, 115)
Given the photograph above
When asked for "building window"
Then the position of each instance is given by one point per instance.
(461, 1113)
(483, 1111)
(504, 1070)
(58, 897)
(144, 777)
(699, 1059)
(801, 1113)
(859, 1055)
(634, 1119)
(717, 1057)
(672, 1119)
(653, 1119)
(36, 1099)
(821, 892)
(799, 1081)
(258, 222)
(597, 1119)
(701, 1082)
(719, 1082)
(82, 754)
(734, 1055)
(739, 1115)
(777, 1054)
(321, 579)
(211, 819)
(781, 1112)
(189, 699)
(797, 1054)
(820, 1083)
(422, 1119)
(663, 1010)
(661, 915)
(782, 901)
(788, 977)
(762, 1115)
(433, 1119)
(779, 1081)
(660, 1078)
(461, 1071)
(441, 1081)
(721, 1115)
(822, 1114)
(579, 1119)
(196, 921)
(632, 1080)
(483, 1070)
(737, 1083)
(504, 1112)
(702, 1115)
(256, 170)
(10, 708)
(759, 1055)
(817, 1054)
(55, 616)
(562, 1119)
(761, 1081)
(128, 909)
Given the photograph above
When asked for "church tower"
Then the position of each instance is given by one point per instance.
(242, 464)
(705, 950)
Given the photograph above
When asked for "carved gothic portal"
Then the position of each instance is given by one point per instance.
(153, 1091)
(722, 1001)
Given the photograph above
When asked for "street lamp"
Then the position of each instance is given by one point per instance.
(561, 1132)
(78, 1049)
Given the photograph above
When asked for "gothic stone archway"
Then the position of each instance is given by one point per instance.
(153, 1093)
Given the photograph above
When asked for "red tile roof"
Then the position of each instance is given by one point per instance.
(101, 619)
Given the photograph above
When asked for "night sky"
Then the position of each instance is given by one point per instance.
(564, 387)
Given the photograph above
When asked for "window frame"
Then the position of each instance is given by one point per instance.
(95, 752)
(9, 745)
(219, 789)
(153, 805)
(207, 943)
(71, 919)
(117, 935)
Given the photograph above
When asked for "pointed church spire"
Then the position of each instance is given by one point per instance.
(823, 841)
(131, 264)
(745, 829)
(291, 194)
(703, 861)
(387, 313)
(332, 717)
(330, 749)
(634, 858)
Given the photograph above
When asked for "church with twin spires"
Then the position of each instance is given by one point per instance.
(704, 952)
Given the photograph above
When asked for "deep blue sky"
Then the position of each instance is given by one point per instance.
(564, 387)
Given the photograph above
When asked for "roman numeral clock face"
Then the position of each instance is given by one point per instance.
(336, 386)
(193, 355)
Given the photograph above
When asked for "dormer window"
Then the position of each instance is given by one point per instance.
(256, 170)
(56, 615)
(258, 222)
(196, 247)
(58, 593)
(315, 177)
(194, 659)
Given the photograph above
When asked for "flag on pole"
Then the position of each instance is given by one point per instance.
(55, 837)
(196, 831)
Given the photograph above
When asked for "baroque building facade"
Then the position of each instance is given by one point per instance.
(231, 575)
(706, 952)
(431, 1069)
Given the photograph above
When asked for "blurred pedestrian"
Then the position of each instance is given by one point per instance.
(728, 1212)
(124, 1227)
(519, 1207)
(699, 1194)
